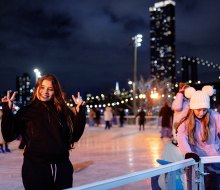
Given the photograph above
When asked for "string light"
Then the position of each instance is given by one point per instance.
(198, 61)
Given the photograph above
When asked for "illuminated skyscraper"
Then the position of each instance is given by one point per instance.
(24, 89)
(117, 90)
(162, 40)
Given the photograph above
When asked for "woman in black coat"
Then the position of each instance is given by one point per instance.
(49, 128)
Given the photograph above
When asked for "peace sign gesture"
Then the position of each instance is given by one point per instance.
(8, 98)
(78, 102)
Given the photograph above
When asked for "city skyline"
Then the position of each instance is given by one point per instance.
(162, 41)
(86, 44)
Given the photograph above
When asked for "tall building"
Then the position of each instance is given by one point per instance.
(117, 90)
(24, 89)
(162, 40)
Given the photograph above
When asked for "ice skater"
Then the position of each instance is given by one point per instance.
(49, 129)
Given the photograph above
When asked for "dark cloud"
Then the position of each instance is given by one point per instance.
(37, 24)
(86, 43)
(135, 24)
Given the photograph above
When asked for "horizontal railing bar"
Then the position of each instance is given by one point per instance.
(210, 159)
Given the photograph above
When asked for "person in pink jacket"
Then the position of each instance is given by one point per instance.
(180, 106)
(197, 133)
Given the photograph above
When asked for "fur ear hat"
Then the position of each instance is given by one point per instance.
(200, 98)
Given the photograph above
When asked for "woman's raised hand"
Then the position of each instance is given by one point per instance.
(9, 98)
(78, 102)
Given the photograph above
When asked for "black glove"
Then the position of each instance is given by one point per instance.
(192, 155)
(174, 142)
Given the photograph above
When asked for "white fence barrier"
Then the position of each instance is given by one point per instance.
(197, 173)
(142, 175)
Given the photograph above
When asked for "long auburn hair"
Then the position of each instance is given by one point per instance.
(191, 126)
(58, 99)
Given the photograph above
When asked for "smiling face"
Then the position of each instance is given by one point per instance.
(45, 91)
(200, 113)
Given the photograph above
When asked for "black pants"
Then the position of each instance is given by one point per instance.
(107, 125)
(121, 120)
(141, 124)
(47, 176)
(22, 144)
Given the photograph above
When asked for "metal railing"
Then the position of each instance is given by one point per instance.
(171, 169)
(206, 160)
(196, 182)
(131, 120)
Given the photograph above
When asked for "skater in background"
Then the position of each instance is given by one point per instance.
(165, 120)
(141, 119)
(180, 106)
(121, 113)
(108, 116)
(97, 117)
(91, 118)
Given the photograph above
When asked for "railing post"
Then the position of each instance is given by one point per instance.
(195, 177)
(201, 170)
(171, 180)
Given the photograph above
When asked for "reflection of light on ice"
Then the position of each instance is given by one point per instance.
(130, 159)
(130, 154)
(155, 152)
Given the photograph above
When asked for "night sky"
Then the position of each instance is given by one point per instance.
(86, 43)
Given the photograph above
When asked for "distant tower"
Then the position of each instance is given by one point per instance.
(23, 88)
(190, 71)
(117, 90)
(162, 40)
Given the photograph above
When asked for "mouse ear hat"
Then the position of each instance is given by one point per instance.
(201, 98)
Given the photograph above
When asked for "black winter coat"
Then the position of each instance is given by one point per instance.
(44, 130)
(166, 113)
